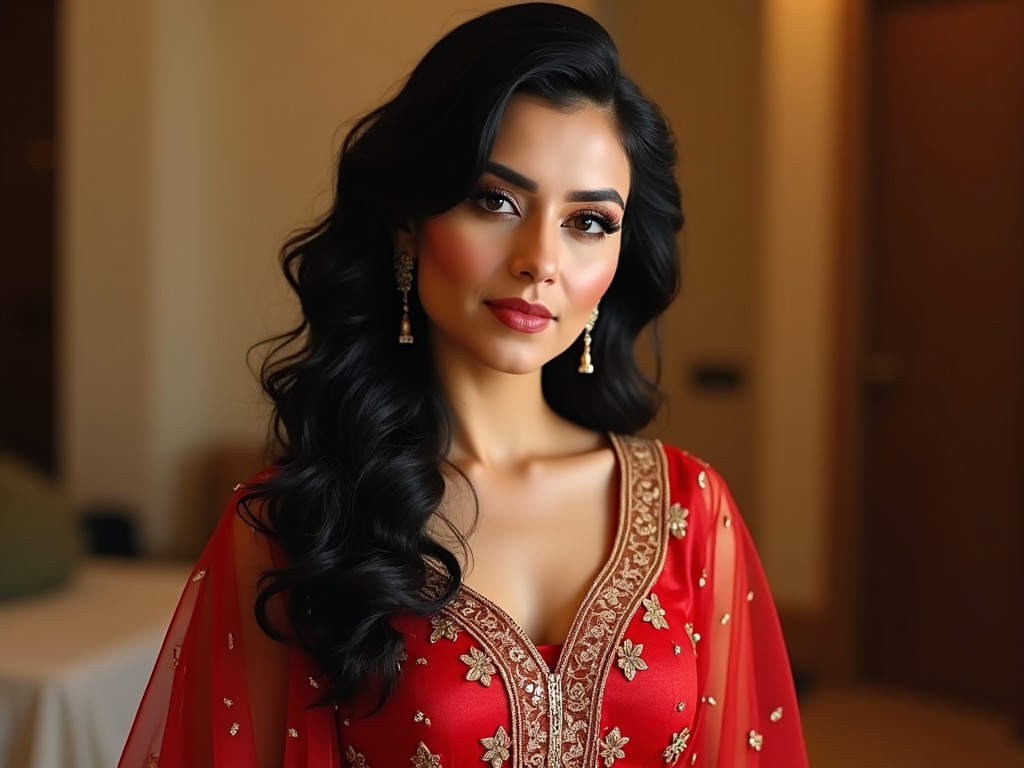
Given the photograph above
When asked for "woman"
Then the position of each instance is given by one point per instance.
(462, 557)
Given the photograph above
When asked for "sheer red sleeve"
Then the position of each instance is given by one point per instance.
(222, 693)
(748, 714)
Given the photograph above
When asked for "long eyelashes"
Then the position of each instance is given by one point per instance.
(501, 202)
(608, 222)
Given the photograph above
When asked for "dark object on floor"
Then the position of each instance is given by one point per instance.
(110, 532)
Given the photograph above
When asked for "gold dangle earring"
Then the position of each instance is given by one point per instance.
(586, 363)
(403, 277)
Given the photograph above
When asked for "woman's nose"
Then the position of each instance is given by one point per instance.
(535, 251)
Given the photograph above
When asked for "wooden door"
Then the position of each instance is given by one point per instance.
(944, 432)
(27, 282)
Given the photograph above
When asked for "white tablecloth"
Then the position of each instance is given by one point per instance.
(74, 662)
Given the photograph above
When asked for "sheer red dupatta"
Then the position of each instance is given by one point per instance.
(223, 694)
(748, 714)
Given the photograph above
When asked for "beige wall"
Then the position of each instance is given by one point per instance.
(749, 88)
(699, 61)
(800, 82)
(198, 134)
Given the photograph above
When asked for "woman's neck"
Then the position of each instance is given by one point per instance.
(502, 419)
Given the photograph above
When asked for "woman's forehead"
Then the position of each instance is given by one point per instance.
(562, 148)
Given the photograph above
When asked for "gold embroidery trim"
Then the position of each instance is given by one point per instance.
(555, 715)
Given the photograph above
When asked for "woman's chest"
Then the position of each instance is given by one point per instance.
(474, 689)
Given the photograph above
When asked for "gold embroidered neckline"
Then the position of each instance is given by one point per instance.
(622, 471)
(554, 713)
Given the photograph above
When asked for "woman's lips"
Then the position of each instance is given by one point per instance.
(520, 315)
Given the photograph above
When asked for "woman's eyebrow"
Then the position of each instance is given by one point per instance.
(512, 177)
(608, 195)
(576, 196)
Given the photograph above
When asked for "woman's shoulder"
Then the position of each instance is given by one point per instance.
(682, 466)
(692, 486)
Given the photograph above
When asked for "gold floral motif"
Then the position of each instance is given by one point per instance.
(420, 717)
(497, 747)
(443, 627)
(680, 706)
(677, 522)
(776, 715)
(199, 575)
(229, 703)
(703, 580)
(725, 619)
(234, 729)
(153, 760)
(702, 480)
(677, 649)
(422, 661)
(750, 596)
(423, 758)
(611, 747)
(611, 595)
(292, 733)
(355, 759)
(480, 666)
(629, 658)
(655, 613)
(755, 740)
(313, 682)
(231, 642)
(676, 746)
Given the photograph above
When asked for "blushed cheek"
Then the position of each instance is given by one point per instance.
(592, 284)
(459, 252)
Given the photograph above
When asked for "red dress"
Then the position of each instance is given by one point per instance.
(675, 657)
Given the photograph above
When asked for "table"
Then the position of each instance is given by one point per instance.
(74, 662)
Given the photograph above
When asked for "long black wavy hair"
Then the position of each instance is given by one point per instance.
(362, 431)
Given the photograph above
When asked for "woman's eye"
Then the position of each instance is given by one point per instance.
(495, 203)
(589, 225)
(593, 224)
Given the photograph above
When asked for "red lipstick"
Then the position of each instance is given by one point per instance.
(521, 315)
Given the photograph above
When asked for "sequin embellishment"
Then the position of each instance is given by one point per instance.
(443, 627)
(611, 747)
(355, 759)
(629, 658)
(677, 522)
(480, 666)
(423, 758)
(655, 613)
(694, 636)
(676, 746)
(497, 747)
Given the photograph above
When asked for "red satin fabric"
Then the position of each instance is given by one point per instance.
(711, 685)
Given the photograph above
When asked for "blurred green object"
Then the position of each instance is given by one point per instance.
(40, 541)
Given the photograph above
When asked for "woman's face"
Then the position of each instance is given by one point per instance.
(510, 276)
